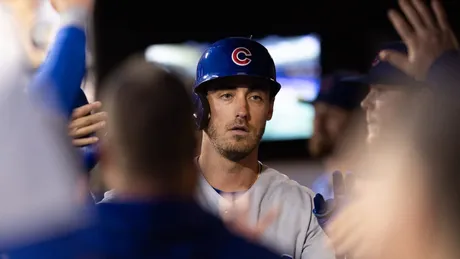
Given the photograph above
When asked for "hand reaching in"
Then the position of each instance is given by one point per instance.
(427, 37)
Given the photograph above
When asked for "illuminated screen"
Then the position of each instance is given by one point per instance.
(297, 61)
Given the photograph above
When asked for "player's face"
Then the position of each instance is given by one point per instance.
(239, 113)
(381, 105)
(329, 125)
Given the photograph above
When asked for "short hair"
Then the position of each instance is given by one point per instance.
(150, 119)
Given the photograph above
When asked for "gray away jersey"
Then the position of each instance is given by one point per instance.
(295, 232)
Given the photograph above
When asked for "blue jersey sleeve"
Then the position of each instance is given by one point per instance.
(61, 74)
(63, 70)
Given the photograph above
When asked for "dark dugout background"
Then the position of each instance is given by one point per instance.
(350, 32)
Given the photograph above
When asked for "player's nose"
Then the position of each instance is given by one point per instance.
(242, 107)
(367, 102)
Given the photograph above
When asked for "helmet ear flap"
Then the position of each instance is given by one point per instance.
(202, 112)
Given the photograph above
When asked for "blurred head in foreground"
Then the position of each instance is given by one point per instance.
(189, 81)
(335, 106)
(150, 143)
(389, 91)
(45, 166)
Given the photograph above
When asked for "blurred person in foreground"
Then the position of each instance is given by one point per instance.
(410, 202)
(110, 194)
(61, 65)
(148, 159)
(62, 69)
(39, 178)
(391, 88)
(420, 171)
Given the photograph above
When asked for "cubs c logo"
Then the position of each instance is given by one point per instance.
(240, 56)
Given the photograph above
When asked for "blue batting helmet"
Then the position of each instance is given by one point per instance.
(231, 58)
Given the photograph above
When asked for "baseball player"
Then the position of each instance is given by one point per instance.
(389, 90)
(428, 59)
(234, 95)
(149, 160)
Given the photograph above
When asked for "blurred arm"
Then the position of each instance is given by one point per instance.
(64, 68)
(63, 71)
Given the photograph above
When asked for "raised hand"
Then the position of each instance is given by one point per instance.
(427, 37)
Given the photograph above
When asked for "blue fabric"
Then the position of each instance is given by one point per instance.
(63, 70)
(169, 229)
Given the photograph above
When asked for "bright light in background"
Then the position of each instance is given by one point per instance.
(305, 88)
(295, 49)
(290, 50)
(175, 55)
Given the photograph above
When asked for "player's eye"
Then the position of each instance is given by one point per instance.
(256, 98)
(226, 96)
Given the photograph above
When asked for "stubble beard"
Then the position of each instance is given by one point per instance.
(234, 151)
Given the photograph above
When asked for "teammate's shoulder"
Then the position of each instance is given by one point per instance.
(281, 182)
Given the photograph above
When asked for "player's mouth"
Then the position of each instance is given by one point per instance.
(240, 129)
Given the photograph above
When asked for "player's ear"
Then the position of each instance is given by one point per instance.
(270, 109)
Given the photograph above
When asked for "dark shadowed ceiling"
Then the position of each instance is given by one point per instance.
(350, 30)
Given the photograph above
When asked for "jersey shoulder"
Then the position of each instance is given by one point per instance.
(281, 188)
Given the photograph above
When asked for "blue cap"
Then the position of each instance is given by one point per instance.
(236, 57)
(344, 94)
(231, 58)
(383, 73)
